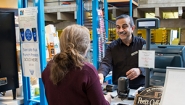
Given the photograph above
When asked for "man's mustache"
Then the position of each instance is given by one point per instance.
(122, 32)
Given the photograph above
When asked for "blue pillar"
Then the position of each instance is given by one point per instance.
(80, 12)
(95, 34)
(106, 18)
(20, 4)
(42, 46)
(25, 80)
(130, 8)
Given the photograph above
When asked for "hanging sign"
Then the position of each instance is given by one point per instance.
(29, 42)
(31, 60)
(28, 24)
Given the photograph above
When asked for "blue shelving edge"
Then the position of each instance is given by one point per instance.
(106, 13)
(25, 80)
(130, 8)
(80, 12)
(42, 45)
(95, 34)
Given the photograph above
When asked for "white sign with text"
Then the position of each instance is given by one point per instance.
(28, 24)
(31, 60)
(146, 58)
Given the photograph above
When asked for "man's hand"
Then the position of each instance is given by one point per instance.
(133, 73)
(101, 77)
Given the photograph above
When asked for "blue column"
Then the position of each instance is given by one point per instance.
(106, 17)
(25, 80)
(130, 8)
(20, 4)
(80, 12)
(95, 34)
(42, 46)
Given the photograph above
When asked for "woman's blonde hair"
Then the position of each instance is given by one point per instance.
(74, 43)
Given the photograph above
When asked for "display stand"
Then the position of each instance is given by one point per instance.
(147, 23)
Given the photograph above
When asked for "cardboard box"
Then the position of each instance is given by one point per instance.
(182, 43)
(182, 38)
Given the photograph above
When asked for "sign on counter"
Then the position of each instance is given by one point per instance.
(146, 58)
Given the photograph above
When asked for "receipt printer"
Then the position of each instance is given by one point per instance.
(111, 88)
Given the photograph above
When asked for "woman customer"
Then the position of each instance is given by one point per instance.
(69, 79)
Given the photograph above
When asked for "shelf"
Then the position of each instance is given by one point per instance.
(122, 3)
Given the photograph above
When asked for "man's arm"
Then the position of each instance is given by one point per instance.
(106, 64)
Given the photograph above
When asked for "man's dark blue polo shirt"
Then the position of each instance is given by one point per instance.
(120, 58)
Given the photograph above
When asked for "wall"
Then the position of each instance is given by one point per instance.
(161, 6)
(62, 25)
(172, 23)
(161, 3)
(8, 4)
(58, 2)
(165, 1)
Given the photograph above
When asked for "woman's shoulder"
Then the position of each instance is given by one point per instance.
(47, 69)
(88, 67)
(87, 64)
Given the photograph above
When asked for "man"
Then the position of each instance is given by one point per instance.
(122, 55)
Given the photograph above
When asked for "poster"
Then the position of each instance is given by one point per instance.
(28, 24)
(29, 42)
(31, 60)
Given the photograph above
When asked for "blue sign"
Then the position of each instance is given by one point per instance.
(28, 34)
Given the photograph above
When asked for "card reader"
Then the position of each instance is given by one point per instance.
(111, 88)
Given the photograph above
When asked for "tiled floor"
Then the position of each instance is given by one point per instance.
(8, 99)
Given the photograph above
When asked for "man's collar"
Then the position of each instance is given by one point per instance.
(133, 38)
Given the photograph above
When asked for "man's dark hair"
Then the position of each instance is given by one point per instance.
(126, 16)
